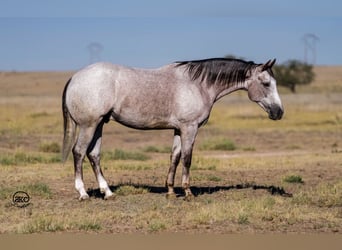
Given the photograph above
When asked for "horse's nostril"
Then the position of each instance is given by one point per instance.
(280, 113)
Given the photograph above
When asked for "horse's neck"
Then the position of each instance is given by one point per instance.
(221, 90)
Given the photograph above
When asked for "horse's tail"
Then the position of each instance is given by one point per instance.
(69, 127)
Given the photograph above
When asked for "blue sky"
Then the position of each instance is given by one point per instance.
(54, 35)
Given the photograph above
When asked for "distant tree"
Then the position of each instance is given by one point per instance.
(293, 73)
(231, 56)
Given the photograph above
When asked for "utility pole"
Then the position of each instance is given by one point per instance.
(95, 50)
(310, 48)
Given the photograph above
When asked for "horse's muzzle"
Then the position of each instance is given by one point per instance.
(275, 112)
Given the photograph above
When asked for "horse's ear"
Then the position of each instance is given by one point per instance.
(268, 65)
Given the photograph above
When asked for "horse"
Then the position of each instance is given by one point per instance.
(177, 96)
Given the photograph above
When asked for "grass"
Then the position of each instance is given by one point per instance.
(130, 190)
(88, 226)
(324, 195)
(38, 189)
(154, 149)
(230, 212)
(132, 166)
(50, 147)
(40, 225)
(214, 178)
(242, 219)
(39, 114)
(218, 144)
(156, 225)
(50, 224)
(293, 179)
(201, 163)
(21, 158)
(119, 154)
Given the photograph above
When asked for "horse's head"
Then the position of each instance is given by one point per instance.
(262, 89)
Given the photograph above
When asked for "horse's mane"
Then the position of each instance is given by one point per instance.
(221, 70)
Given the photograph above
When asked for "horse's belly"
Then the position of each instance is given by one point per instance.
(143, 122)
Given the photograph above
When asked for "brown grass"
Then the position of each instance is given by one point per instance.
(233, 188)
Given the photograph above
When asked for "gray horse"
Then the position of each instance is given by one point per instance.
(178, 96)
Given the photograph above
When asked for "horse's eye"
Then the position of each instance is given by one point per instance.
(266, 84)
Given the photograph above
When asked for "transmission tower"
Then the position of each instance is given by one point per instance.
(95, 50)
(310, 48)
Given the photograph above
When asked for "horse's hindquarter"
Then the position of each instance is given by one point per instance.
(90, 93)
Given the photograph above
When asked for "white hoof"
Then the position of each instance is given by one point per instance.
(83, 197)
(110, 196)
(107, 192)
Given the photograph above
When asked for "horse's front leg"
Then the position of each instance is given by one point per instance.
(188, 135)
(175, 158)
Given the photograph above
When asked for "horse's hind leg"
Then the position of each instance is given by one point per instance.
(93, 154)
(175, 158)
(79, 151)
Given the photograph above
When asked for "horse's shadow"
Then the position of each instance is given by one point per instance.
(273, 190)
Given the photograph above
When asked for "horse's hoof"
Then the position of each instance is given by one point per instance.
(83, 197)
(108, 194)
(171, 196)
(189, 197)
(109, 197)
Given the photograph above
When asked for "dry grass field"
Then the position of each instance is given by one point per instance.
(249, 174)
